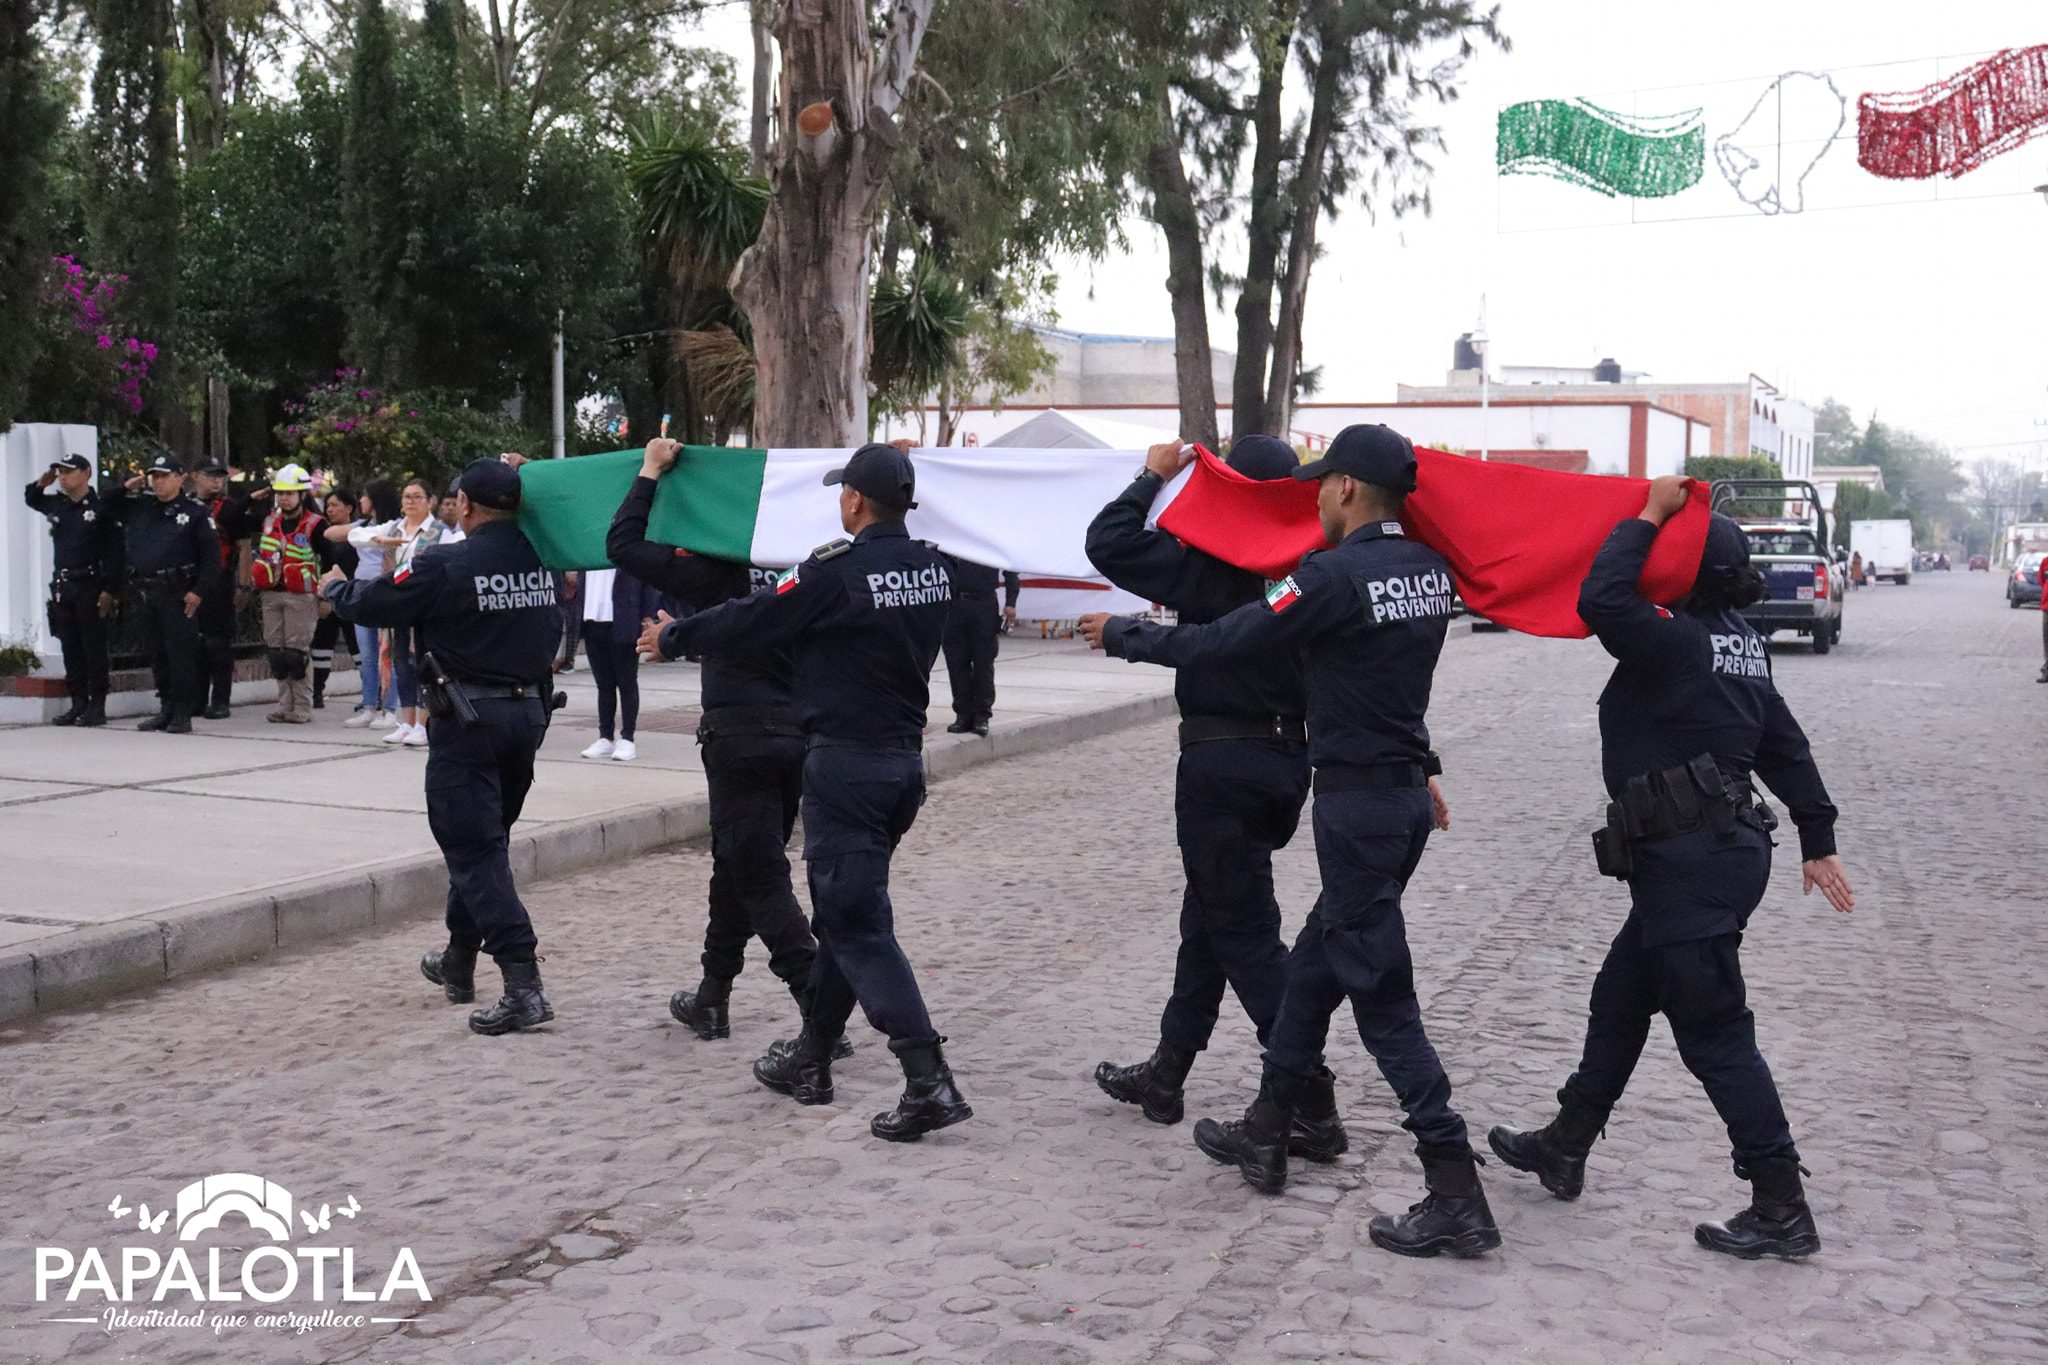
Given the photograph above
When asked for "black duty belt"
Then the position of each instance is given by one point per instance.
(914, 743)
(502, 691)
(184, 575)
(748, 722)
(1204, 729)
(76, 576)
(1691, 796)
(1377, 777)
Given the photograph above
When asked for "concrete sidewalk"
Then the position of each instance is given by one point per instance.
(133, 857)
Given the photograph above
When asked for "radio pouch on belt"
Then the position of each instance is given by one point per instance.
(1611, 851)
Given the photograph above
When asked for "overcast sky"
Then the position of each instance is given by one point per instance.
(1929, 310)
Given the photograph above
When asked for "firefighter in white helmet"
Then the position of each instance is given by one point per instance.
(284, 571)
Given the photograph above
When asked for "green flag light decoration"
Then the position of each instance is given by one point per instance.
(1614, 154)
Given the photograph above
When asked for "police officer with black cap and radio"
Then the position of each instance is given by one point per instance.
(753, 752)
(1370, 614)
(863, 618)
(485, 615)
(85, 581)
(173, 551)
(1689, 716)
(234, 520)
(1238, 791)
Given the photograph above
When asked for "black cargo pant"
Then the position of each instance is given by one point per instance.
(756, 783)
(1234, 802)
(215, 683)
(477, 780)
(970, 643)
(1678, 955)
(858, 803)
(1355, 946)
(82, 633)
(171, 640)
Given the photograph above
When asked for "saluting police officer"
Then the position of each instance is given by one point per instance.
(485, 614)
(1371, 614)
(753, 751)
(1238, 791)
(173, 553)
(85, 580)
(1688, 716)
(234, 520)
(864, 618)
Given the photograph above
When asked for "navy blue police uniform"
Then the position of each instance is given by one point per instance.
(863, 619)
(972, 628)
(1690, 684)
(1242, 777)
(1369, 615)
(484, 609)
(236, 517)
(85, 561)
(172, 548)
(752, 746)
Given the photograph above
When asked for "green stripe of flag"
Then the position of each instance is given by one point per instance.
(707, 504)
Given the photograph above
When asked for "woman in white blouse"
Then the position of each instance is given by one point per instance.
(414, 529)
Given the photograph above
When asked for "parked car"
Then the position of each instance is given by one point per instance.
(1980, 562)
(2023, 589)
(1788, 543)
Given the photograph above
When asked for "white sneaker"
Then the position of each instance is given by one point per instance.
(624, 751)
(602, 749)
(361, 720)
(386, 718)
(416, 737)
(398, 736)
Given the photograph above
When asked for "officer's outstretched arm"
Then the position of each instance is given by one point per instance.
(1149, 563)
(1784, 760)
(1305, 604)
(807, 597)
(1633, 628)
(403, 599)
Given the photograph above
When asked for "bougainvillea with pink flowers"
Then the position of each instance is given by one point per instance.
(92, 367)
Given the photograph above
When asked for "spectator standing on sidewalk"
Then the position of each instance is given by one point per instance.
(283, 572)
(614, 605)
(415, 528)
(378, 505)
(334, 552)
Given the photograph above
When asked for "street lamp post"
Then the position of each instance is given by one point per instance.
(1485, 395)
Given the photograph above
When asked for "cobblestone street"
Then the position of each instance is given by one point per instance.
(611, 1189)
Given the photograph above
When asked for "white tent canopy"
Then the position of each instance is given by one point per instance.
(1054, 429)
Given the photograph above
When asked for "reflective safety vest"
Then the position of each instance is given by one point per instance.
(284, 560)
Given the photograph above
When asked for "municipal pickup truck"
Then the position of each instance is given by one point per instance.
(1886, 547)
(1788, 544)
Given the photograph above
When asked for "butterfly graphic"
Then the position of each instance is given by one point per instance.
(117, 1208)
(320, 1224)
(148, 1224)
(352, 1210)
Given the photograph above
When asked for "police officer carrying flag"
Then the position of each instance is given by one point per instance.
(174, 561)
(1238, 792)
(863, 618)
(1371, 614)
(1688, 716)
(753, 752)
(85, 581)
(485, 613)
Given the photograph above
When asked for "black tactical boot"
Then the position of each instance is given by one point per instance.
(521, 1007)
(95, 713)
(1318, 1132)
(320, 688)
(453, 969)
(930, 1099)
(1452, 1217)
(800, 1068)
(1154, 1085)
(1257, 1143)
(1777, 1221)
(180, 723)
(157, 722)
(704, 1009)
(800, 991)
(71, 716)
(1555, 1153)
(220, 710)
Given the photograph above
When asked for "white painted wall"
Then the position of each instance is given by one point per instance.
(26, 450)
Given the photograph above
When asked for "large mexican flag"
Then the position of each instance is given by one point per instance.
(1519, 540)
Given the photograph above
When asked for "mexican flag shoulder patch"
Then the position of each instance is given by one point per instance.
(787, 582)
(402, 574)
(1283, 594)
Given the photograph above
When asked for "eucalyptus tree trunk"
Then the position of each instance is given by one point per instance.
(1173, 209)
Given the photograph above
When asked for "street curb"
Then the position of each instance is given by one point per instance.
(96, 962)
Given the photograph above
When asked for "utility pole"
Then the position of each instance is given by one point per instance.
(561, 441)
(1485, 393)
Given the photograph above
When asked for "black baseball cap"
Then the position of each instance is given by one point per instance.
(210, 467)
(491, 483)
(73, 461)
(880, 471)
(1262, 457)
(1726, 550)
(1369, 452)
(164, 464)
